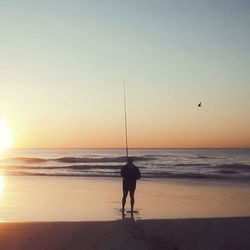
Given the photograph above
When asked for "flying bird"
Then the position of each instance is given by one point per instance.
(199, 105)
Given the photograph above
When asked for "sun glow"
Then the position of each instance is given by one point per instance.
(5, 135)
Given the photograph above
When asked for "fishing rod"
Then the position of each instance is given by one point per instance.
(125, 119)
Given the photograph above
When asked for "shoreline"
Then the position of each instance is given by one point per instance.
(173, 234)
(29, 198)
(143, 178)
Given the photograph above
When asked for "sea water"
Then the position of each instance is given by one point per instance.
(154, 163)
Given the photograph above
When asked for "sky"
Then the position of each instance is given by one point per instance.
(63, 64)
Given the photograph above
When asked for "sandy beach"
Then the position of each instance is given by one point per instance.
(83, 213)
(175, 234)
(30, 199)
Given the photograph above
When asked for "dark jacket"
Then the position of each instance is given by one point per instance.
(130, 173)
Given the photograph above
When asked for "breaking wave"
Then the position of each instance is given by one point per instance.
(225, 171)
(116, 174)
(118, 159)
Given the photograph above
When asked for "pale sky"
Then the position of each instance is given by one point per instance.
(63, 64)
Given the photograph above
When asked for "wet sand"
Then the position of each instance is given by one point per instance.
(83, 213)
(29, 199)
(174, 234)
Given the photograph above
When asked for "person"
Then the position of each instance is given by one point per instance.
(130, 174)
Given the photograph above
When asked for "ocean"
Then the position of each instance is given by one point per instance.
(233, 164)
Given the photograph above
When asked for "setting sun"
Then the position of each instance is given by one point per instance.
(5, 135)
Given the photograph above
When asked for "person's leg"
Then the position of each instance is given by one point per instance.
(125, 193)
(132, 199)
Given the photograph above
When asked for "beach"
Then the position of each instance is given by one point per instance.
(71, 199)
(83, 213)
(175, 234)
(35, 198)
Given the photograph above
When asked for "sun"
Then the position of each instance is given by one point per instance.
(5, 135)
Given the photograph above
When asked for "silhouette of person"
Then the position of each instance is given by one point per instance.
(130, 174)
